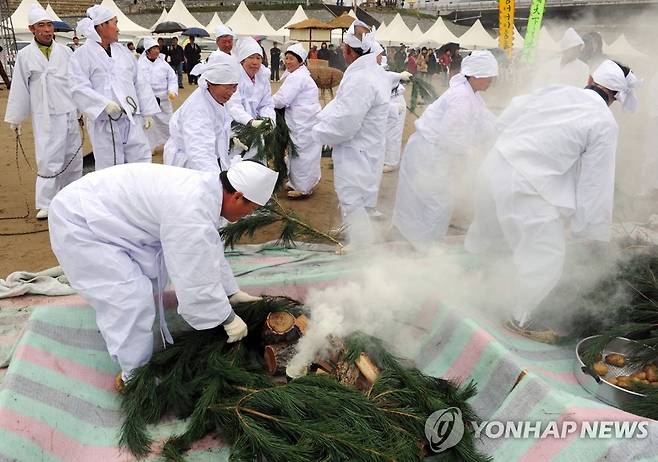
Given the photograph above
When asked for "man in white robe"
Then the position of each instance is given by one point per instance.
(553, 163)
(450, 138)
(120, 233)
(567, 69)
(354, 125)
(299, 96)
(106, 87)
(40, 88)
(201, 127)
(164, 83)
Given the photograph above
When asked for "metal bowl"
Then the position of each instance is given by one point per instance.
(599, 386)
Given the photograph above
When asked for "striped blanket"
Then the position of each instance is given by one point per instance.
(57, 401)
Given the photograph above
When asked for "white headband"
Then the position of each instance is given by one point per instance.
(480, 63)
(37, 14)
(299, 50)
(366, 42)
(610, 76)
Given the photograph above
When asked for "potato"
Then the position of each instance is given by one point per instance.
(615, 359)
(612, 380)
(651, 372)
(639, 375)
(600, 369)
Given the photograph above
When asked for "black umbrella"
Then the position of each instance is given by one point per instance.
(61, 26)
(168, 27)
(196, 32)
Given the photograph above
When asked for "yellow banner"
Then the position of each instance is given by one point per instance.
(506, 25)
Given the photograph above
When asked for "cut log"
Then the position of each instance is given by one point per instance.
(279, 328)
(347, 373)
(367, 368)
(302, 323)
(277, 358)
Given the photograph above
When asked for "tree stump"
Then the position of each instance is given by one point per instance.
(277, 358)
(280, 328)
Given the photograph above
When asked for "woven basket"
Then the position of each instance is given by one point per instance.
(325, 77)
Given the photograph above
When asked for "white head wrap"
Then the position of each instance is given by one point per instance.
(96, 15)
(36, 14)
(246, 47)
(299, 50)
(480, 63)
(377, 49)
(222, 30)
(610, 76)
(366, 42)
(255, 181)
(150, 42)
(570, 39)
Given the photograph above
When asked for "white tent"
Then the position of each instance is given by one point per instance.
(162, 18)
(352, 13)
(397, 32)
(545, 42)
(214, 23)
(19, 19)
(439, 33)
(621, 47)
(477, 37)
(51, 12)
(180, 13)
(127, 28)
(380, 32)
(243, 22)
(298, 16)
(266, 28)
(417, 34)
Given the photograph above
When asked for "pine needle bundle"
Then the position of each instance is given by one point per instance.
(293, 227)
(220, 388)
(423, 89)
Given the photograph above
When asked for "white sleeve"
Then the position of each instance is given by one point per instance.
(596, 184)
(286, 93)
(193, 254)
(172, 80)
(236, 110)
(341, 120)
(266, 104)
(148, 105)
(18, 104)
(86, 99)
(199, 139)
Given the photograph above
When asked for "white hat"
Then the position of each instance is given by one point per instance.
(298, 49)
(150, 42)
(255, 181)
(570, 39)
(610, 76)
(222, 30)
(480, 63)
(246, 47)
(36, 14)
(365, 42)
(96, 15)
(223, 69)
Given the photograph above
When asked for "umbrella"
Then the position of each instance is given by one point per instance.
(196, 32)
(61, 26)
(168, 27)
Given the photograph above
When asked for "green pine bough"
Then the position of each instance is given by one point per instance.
(220, 388)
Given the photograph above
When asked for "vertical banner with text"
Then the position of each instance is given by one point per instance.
(534, 25)
(506, 25)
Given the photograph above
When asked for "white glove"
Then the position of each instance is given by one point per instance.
(16, 128)
(113, 109)
(405, 76)
(148, 122)
(242, 297)
(256, 123)
(236, 329)
(239, 144)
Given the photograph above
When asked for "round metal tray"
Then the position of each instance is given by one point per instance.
(599, 386)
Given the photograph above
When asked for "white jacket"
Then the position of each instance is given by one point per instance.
(96, 79)
(199, 133)
(553, 72)
(159, 75)
(40, 86)
(166, 220)
(253, 98)
(300, 97)
(563, 140)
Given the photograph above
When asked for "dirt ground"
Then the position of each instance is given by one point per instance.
(24, 243)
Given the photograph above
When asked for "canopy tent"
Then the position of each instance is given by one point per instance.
(19, 19)
(621, 47)
(214, 23)
(162, 18)
(51, 12)
(417, 33)
(266, 28)
(381, 32)
(298, 16)
(352, 13)
(439, 33)
(545, 42)
(397, 32)
(477, 37)
(126, 26)
(180, 13)
(243, 22)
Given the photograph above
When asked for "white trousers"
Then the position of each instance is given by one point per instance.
(118, 142)
(56, 142)
(158, 134)
(509, 213)
(394, 127)
(304, 168)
